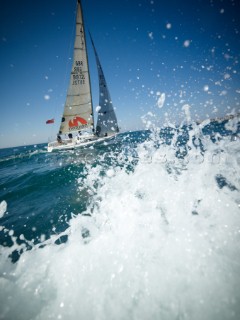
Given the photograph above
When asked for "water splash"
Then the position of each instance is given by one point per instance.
(159, 238)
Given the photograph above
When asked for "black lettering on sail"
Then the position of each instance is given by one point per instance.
(79, 63)
(78, 77)
(77, 82)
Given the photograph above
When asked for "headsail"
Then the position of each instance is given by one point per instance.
(107, 121)
(78, 112)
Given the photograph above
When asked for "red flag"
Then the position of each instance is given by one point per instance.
(50, 121)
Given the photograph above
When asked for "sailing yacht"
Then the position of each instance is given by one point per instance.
(77, 128)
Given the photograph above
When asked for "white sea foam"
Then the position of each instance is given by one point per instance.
(161, 242)
(3, 208)
(161, 100)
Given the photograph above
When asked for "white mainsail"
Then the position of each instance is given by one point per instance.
(107, 121)
(78, 110)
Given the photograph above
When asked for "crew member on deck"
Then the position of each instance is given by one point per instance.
(59, 139)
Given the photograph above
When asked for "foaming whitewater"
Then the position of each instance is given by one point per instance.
(160, 238)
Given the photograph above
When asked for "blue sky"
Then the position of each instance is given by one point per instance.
(188, 50)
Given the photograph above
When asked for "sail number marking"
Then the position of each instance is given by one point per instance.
(78, 77)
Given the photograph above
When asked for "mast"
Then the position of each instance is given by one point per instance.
(79, 1)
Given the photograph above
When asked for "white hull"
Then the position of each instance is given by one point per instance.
(75, 144)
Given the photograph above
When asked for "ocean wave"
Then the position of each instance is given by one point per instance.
(154, 232)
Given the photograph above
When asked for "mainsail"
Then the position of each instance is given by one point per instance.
(78, 111)
(107, 121)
